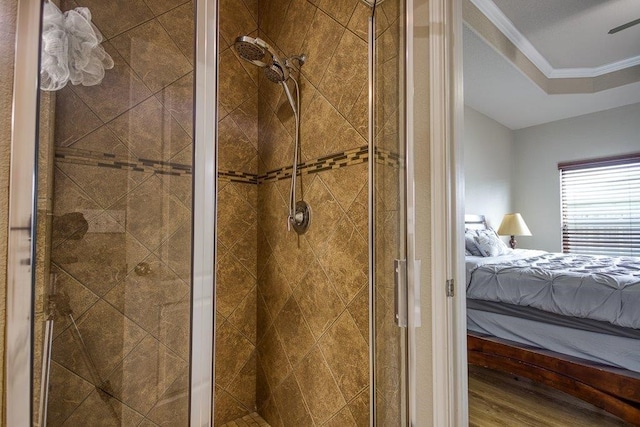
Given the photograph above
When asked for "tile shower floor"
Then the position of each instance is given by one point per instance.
(251, 420)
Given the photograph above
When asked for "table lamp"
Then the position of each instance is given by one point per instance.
(513, 225)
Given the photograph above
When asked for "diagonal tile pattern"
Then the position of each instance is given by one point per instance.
(122, 223)
(80, 119)
(120, 90)
(319, 387)
(312, 290)
(145, 374)
(346, 74)
(340, 10)
(162, 141)
(236, 271)
(152, 54)
(117, 16)
(292, 313)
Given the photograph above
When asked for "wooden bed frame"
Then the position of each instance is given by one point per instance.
(617, 391)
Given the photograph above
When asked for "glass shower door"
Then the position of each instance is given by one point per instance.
(114, 224)
(389, 273)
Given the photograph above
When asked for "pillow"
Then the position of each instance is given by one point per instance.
(470, 243)
(489, 244)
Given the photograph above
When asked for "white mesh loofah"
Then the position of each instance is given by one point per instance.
(54, 69)
(71, 49)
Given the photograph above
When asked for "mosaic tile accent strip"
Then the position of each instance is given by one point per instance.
(388, 158)
(351, 157)
(241, 177)
(108, 160)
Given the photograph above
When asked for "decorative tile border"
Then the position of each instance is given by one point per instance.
(351, 157)
(108, 160)
(388, 158)
(234, 176)
(354, 156)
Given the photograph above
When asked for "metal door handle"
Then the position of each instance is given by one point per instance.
(401, 301)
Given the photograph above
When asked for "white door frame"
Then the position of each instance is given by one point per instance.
(460, 388)
(442, 366)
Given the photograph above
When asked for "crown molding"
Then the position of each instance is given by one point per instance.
(504, 24)
(560, 73)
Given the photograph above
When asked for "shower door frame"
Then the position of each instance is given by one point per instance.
(205, 202)
(22, 217)
(409, 252)
(18, 399)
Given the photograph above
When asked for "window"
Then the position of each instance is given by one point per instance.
(601, 206)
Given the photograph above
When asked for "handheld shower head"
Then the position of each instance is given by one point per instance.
(249, 51)
(276, 73)
(253, 50)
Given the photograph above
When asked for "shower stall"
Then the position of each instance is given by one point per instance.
(235, 171)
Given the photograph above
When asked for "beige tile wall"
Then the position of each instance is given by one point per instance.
(313, 351)
(236, 279)
(311, 362)
(122, 223)
(7, 49)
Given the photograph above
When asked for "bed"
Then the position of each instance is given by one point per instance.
(571, 322)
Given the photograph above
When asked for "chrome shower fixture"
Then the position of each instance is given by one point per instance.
(255, 50)
(252, 49)
(276, 70)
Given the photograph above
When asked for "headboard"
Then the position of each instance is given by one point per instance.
(475, 222)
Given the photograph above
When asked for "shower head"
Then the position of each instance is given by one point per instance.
(249, 51)
(276, 72)
(253, 50)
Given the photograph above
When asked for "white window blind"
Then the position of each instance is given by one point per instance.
(601, 206)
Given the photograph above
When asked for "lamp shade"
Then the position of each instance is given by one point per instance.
(513, 225)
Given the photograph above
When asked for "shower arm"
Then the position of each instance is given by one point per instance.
(300, 59)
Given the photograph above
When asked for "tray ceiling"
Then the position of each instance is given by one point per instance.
(572, 46)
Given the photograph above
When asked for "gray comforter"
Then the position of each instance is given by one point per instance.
(592, 287)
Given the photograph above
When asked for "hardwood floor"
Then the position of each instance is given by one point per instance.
(497, 399)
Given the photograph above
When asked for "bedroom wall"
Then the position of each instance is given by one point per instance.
(537, 151)
(487, 166)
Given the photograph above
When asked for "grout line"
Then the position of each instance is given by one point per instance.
(93, 389)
